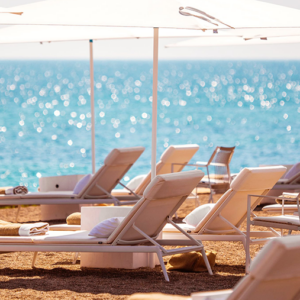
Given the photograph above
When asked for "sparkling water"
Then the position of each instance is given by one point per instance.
(45, 119)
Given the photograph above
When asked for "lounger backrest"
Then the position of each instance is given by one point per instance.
(161, 199)
(295, 179)
(293, 174)
(274, 273)
(233, 204)
(116, 165)
(180, 154)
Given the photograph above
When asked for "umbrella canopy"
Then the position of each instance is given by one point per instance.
(234, 41)
(43, 33)
(188, 14)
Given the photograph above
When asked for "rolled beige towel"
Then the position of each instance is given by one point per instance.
(191, 261)
(74, 219)
(290, 198)
(16, 229)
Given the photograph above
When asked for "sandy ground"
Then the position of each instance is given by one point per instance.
(55, 277)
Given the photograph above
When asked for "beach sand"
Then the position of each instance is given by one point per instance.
(55, 277)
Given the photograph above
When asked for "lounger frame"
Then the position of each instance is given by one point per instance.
(270, 225)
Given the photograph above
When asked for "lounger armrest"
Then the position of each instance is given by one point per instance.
(218, 164)
(214, 295)
(282, 181)
(202, 163)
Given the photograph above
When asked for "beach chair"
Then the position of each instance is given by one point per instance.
(290, 182)
(274, 275)
(220, 159)
(180, 154)
(222, 221)
(97, 190)
(138, 231)
(288, 222)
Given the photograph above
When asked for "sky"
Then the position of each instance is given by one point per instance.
(141, 49)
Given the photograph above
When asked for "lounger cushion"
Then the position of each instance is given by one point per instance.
(256, 179)
(105, 228)
(198, 214)
(278, 208)
(82, 183)
(123, 156)
(284, 219)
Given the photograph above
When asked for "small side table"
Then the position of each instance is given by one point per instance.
(90, 217)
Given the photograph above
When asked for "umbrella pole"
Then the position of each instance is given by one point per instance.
(92, 107)
(154, 102)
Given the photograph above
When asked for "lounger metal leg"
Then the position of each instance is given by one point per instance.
(17, 214)
(248, 257)
(206, 262)
(75, 258)
(211, 199)
(162, 264)
(290, 232)
(35, 254)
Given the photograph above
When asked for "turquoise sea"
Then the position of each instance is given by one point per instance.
(45, 113)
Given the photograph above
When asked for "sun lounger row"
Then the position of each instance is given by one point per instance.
(100, 188)
(222, 221)
(161, 199)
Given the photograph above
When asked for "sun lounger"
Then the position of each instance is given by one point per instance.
(220, 159)
(141, 226)
(290, 182)
(274, 274)
(180, 155)
(289, 222)
(223, 220)
(97, 190)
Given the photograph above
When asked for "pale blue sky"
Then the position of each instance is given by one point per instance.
(142, 49)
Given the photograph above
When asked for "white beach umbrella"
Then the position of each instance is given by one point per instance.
(187, 14)
(234, 41)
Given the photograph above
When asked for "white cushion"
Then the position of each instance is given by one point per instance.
(196, 216)
(82, 183)
(105, 228)
(135, 182)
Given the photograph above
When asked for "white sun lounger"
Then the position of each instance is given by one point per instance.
(98, 189)
(290, 182)
(223, 221)
(142, 225)
(289, 222)
(180, 154)
(274, 274)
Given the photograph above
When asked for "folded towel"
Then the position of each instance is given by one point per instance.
(16, 229)
(191, 261)
(291, 198)
(3, 189)
(18, 190)
(74, 219)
